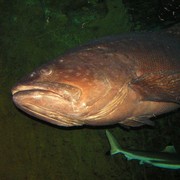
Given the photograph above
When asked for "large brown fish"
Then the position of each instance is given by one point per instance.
(126, 79)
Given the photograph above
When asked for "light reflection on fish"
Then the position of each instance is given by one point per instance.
(126, 79)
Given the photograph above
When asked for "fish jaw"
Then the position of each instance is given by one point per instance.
(49, 104)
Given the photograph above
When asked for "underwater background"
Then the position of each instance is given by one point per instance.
(33, 32)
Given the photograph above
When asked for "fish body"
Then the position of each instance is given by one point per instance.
(125, 79)
(165, 159)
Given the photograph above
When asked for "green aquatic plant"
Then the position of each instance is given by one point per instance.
(115, 21)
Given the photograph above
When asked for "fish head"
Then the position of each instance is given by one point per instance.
(63, 92)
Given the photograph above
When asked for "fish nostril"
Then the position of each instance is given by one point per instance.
(32, 74)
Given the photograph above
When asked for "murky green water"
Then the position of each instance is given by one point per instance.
(34, 32)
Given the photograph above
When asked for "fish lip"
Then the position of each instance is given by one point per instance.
(62, 120)
(16, 91)
(38, 86)
(22, 88)
(62, 90)
(20, 91)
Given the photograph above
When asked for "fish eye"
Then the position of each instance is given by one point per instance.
(46, 71)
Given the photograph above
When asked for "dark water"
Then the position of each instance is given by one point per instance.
(33, 32)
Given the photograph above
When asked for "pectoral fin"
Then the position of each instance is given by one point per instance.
(137, 121)
(160, 86)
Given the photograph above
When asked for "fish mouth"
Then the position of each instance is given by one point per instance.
(26, 89)
(23, 88)
(49, 103)
(62, 90)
